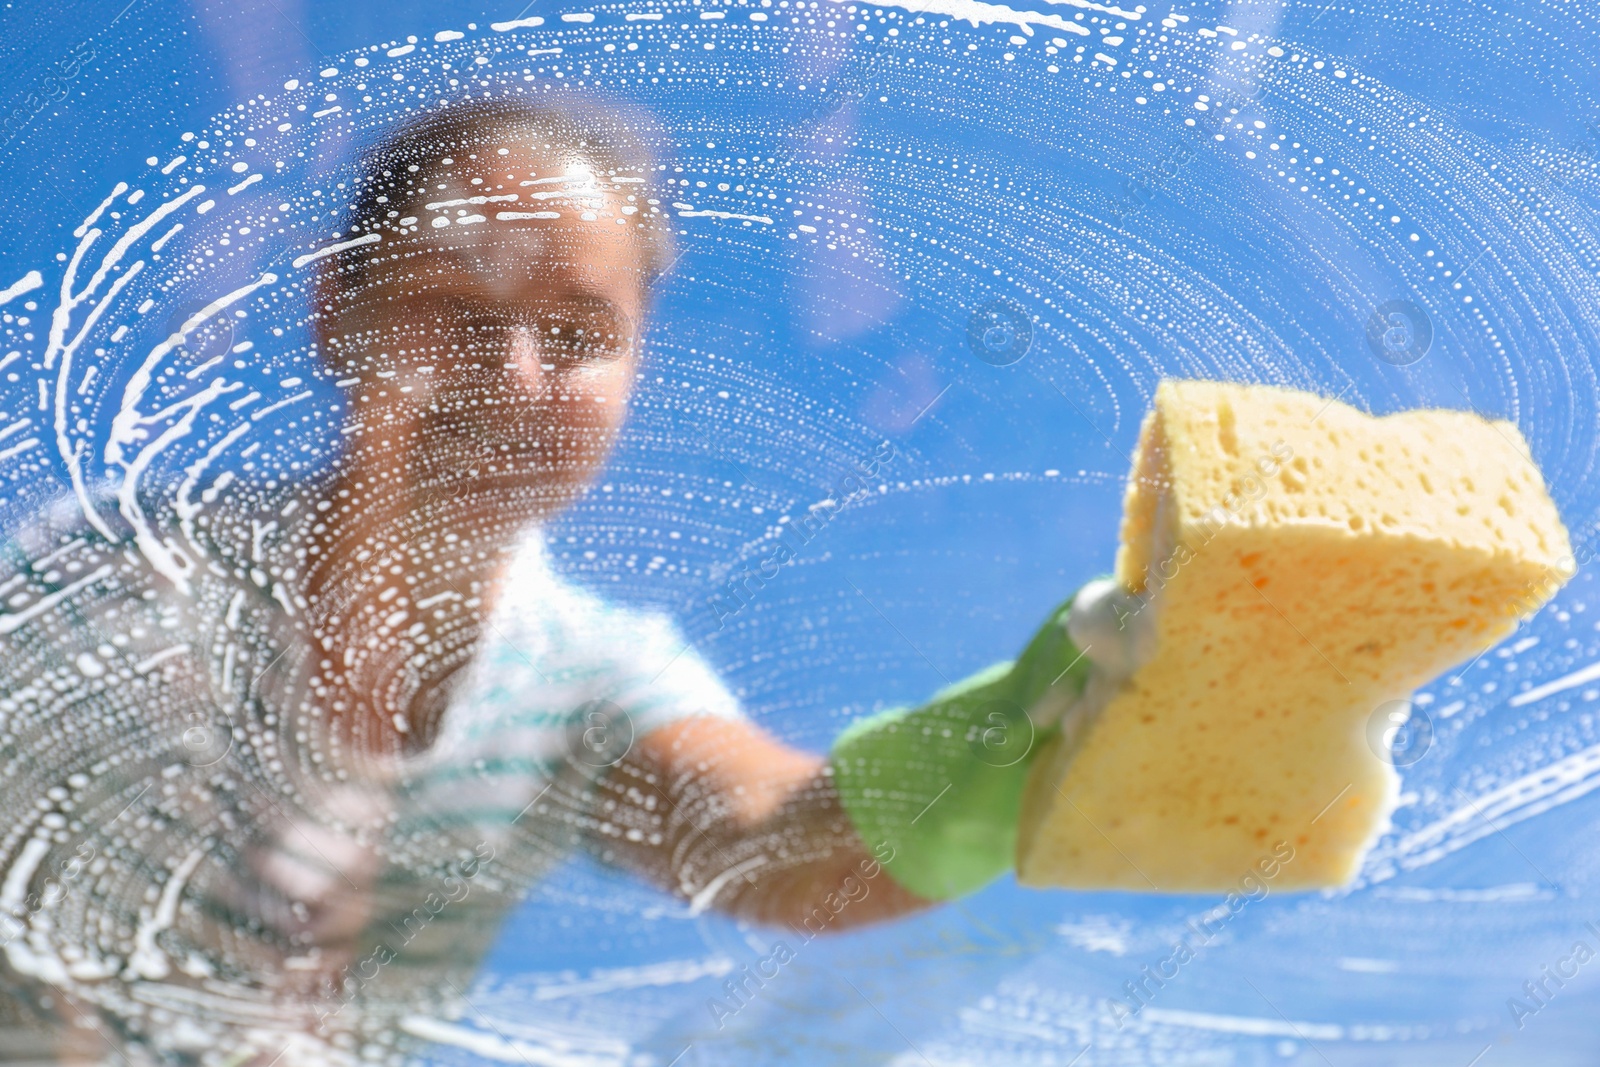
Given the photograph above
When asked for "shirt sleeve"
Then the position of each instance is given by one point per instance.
(665, 679)
(562, 686)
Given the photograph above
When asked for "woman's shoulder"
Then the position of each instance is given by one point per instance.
(541, 611)
(550, 635)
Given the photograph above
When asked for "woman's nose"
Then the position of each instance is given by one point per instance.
(525, 359)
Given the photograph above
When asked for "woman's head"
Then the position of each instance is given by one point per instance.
(496, 310)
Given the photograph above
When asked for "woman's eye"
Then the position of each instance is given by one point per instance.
(585, 333)
(566, 334)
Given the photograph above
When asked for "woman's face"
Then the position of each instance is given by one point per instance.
(493, 349)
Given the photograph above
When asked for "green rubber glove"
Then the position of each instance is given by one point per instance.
(935, 791)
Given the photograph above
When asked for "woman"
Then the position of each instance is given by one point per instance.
(304, 785)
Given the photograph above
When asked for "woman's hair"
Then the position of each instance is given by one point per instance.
(401, 173)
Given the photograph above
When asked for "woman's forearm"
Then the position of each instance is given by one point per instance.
(729, 818)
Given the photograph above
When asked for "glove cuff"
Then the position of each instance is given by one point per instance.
(935, 791)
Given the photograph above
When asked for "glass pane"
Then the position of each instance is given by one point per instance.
(408, 414)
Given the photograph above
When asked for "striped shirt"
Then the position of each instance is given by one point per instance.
(186, 867)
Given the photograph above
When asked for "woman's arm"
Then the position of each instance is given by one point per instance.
(719, 812)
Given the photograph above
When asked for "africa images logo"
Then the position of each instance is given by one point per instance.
(1399, 332)
(999, 332)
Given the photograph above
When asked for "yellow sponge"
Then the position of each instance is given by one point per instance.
(1299, 564)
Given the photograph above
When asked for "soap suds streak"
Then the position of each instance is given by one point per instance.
(14, 619)
(1577, 678)
(1477, 817)
(25, 284)
(336, 247)
(666, 973)
(492, 1046)
(1254, 1026)
(148, 959)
